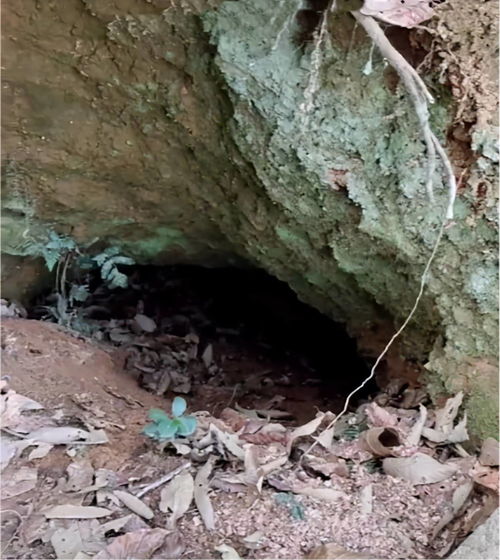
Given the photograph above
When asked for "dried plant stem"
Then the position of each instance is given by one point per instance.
(420, 97)
(162, 480)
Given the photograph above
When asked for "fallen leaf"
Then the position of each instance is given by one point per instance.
(8, 450)
(413, 438)
(177, 496)
(70, 511)
(201, 497)
(443, 430)
(181, 448)
(40, 451)
(67, 542)
(229, 441)
(380, 441)
(20, 481)
(325, 438)
(227, 552)
(208, 356)
(145, 323)
(172, 548)
(134, 504)
(137, 545)
(80, 475)
(58, 436)
(12, 405)
(378, 417)
(305, 430)
(418, 469)
(489, 453)
(460, 496)
(486, 476)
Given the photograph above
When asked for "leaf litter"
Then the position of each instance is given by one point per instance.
(379, 486)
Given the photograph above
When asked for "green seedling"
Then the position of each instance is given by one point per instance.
(164, 427)
(288, 500)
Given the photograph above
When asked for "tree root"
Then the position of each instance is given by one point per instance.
(420, 97)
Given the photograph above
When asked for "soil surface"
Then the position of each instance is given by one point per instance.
(84, 384)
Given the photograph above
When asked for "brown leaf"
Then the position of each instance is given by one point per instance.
(489, 453)
(137, 545)
(173, 547)
(70, 511)
(134, 504)
(305, 430)
(177, 497)
(418, 469)
(379, 417)
(201, 497)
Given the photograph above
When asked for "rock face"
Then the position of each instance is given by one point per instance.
(202, 131)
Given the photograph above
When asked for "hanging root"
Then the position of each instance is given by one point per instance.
(420, 97)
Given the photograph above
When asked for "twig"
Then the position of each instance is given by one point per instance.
(162, 480)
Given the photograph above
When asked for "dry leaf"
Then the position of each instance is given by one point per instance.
(172, 548)
(443, 430)
(70, 511)
(413, 438)
(208, 356)
(325, 438)
(67, 542)
(460, 496)
(137, 545)
(58, 436)
(229, 441)
(134, 504)
(8, 450)
(227, 552)
(489, 453)
(379, 417)
(145, 323)
(177, 497)
(80, 475)
(418, 469)
(20, 481)
(12, 405)
(201, 497)
(40, 451)
(332, 551)
(380, 441)
(305, 430)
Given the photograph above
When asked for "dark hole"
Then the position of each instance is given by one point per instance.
(252, 319)
(389, 439)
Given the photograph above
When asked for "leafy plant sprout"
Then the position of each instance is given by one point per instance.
(164, 427)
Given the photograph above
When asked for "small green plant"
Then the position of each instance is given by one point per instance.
(107, 261)
(165, 427)
(71, 260)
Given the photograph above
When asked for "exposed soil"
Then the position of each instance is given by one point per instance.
(257, 364)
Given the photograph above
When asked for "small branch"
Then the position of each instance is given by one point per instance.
(162, 480)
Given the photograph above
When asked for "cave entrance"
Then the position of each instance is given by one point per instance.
(257, 345)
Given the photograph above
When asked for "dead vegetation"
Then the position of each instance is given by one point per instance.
(79, 480)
